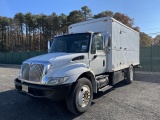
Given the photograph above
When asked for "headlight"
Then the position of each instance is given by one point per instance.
(54, 81)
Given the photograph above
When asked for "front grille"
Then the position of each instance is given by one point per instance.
(25, 71)
(32, 72)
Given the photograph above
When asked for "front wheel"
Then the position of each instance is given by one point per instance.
(80, 96)
(129, 75)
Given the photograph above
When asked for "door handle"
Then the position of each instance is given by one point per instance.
(103, 63)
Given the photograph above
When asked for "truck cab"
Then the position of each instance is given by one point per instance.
(76, 66)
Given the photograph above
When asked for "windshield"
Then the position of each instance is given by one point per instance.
(74, 43)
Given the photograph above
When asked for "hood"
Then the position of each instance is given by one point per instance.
(56, 59)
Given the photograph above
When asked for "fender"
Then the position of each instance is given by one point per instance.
(73, 71)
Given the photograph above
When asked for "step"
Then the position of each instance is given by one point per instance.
(105, 88)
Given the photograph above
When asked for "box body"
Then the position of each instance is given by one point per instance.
(124, 41)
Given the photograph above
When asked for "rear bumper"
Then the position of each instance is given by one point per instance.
(58, 92)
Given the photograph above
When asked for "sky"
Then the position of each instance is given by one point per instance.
(144, 12)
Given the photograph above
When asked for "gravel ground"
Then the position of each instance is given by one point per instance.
(137, 101)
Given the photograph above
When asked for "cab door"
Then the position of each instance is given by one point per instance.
(97, 55)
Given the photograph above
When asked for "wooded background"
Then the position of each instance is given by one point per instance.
(30, 32)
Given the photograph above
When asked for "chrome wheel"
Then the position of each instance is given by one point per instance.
(129, 75)
(80, 96)
(84, 96)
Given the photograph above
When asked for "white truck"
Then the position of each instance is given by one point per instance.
(95, 55)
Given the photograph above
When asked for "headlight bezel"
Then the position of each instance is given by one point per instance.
(56, 80)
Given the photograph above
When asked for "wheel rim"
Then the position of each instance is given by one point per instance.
(131, 73)
(84, 96)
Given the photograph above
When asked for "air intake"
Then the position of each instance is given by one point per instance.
(78, 58)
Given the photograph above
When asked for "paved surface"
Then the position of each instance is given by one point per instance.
(137, 101)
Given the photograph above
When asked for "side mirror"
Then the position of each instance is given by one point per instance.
(107, 43)
(49, 45)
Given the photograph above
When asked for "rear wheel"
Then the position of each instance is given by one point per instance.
(80, 96)
(129, 75)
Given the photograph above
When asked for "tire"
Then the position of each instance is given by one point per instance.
(81, 90)
(129, 75)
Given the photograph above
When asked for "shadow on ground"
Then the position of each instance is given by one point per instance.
(18, 107)
(118, 85)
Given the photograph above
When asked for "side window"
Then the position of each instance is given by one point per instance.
(98, 42)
